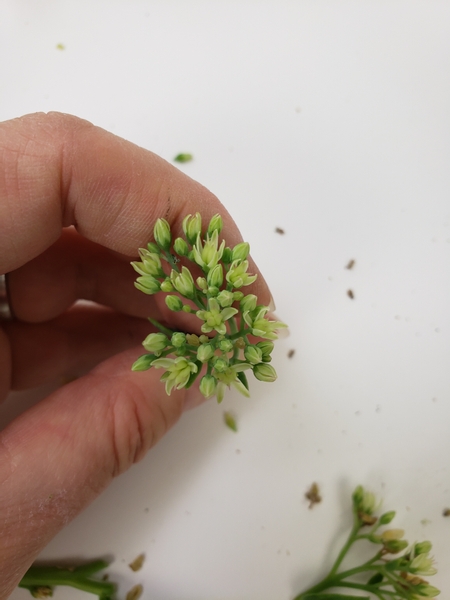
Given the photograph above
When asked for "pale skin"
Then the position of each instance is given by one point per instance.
(75, 204)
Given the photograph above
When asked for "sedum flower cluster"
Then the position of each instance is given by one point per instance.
(234, 335)
(396, 571)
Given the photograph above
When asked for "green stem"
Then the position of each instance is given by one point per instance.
(77, 578)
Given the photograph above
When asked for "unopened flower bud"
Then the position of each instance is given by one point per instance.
(180, 246)
(392, 534)
(192, 227)
(143, 363)
(215, 224)
(226, 256)
(238, 296)
(162, 234)
(202, 283)
(221, 365)
(166, 285)
(178, 339)
(208, 385)
(422, 547)
(248, 303)
(266, 348)
(174, 303)
(225, 298)
(147, 284)
(253, 355)
(204, 352)
(213, 291)
(240, 251)
(155, 342)
(386, 518)
(395, 546)
(183, 282)
(226, 345)
(264, 372)
(215, 276)
(192, 339)
(154, 248)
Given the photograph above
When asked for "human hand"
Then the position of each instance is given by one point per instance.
(76, 202)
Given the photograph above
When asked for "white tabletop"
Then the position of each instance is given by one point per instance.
(330, 120)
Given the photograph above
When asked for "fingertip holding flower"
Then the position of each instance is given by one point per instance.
(230, 320)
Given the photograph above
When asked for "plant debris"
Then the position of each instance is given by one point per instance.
(313, 495)
(291, 353)
(279, 230)
(230, 420)
(135, 593)
(137, 563)
(350, 294)
(183, 157)
(60, 47)
(446, 512)
(350, 264)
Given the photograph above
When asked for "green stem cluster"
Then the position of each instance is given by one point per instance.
(386, 575)
(234, 334)
(40, 580)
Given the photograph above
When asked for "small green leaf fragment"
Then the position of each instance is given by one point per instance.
(137, 563)
(377, 578)
(230, 421)
(183, 157)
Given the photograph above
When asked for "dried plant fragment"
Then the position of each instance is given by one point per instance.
(279, 230)
(137, 563)
(350, 264)
(313, 495)
(135, 593)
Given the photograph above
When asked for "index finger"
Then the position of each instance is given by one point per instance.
(57, 170)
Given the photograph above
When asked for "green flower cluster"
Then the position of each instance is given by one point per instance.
(389, 574)
(236, 334)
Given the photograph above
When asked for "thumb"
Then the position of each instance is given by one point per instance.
(58, 456)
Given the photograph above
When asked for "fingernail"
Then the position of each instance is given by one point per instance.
(272, 306)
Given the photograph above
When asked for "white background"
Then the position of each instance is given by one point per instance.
(332, 121)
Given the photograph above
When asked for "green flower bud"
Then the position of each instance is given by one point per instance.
(143, 363)
(213, 291)
(216, 224)
(147, 284)
(422, 548)
(395, 546)
(151, 263)
(162, 234)
(205, 352)
(386, 518)
(248, 303)
(192, 339)
(166, 285)
(358, 496)
(208, 385)
(425, 590)
(221, 365)
(178, 339)
(266, 348)
(215, 276)
(225, 298)
(253, 355)
(155, 342)
(174, 303)
(226, 345)
(238, 296)
(264, 372)
(203, 339)
(187, 309)
(192, 227)
(238, 276)
(202, 283)
(226, 256)
(180, 247)
(154, 248)
(183, 282)
(240, 251)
